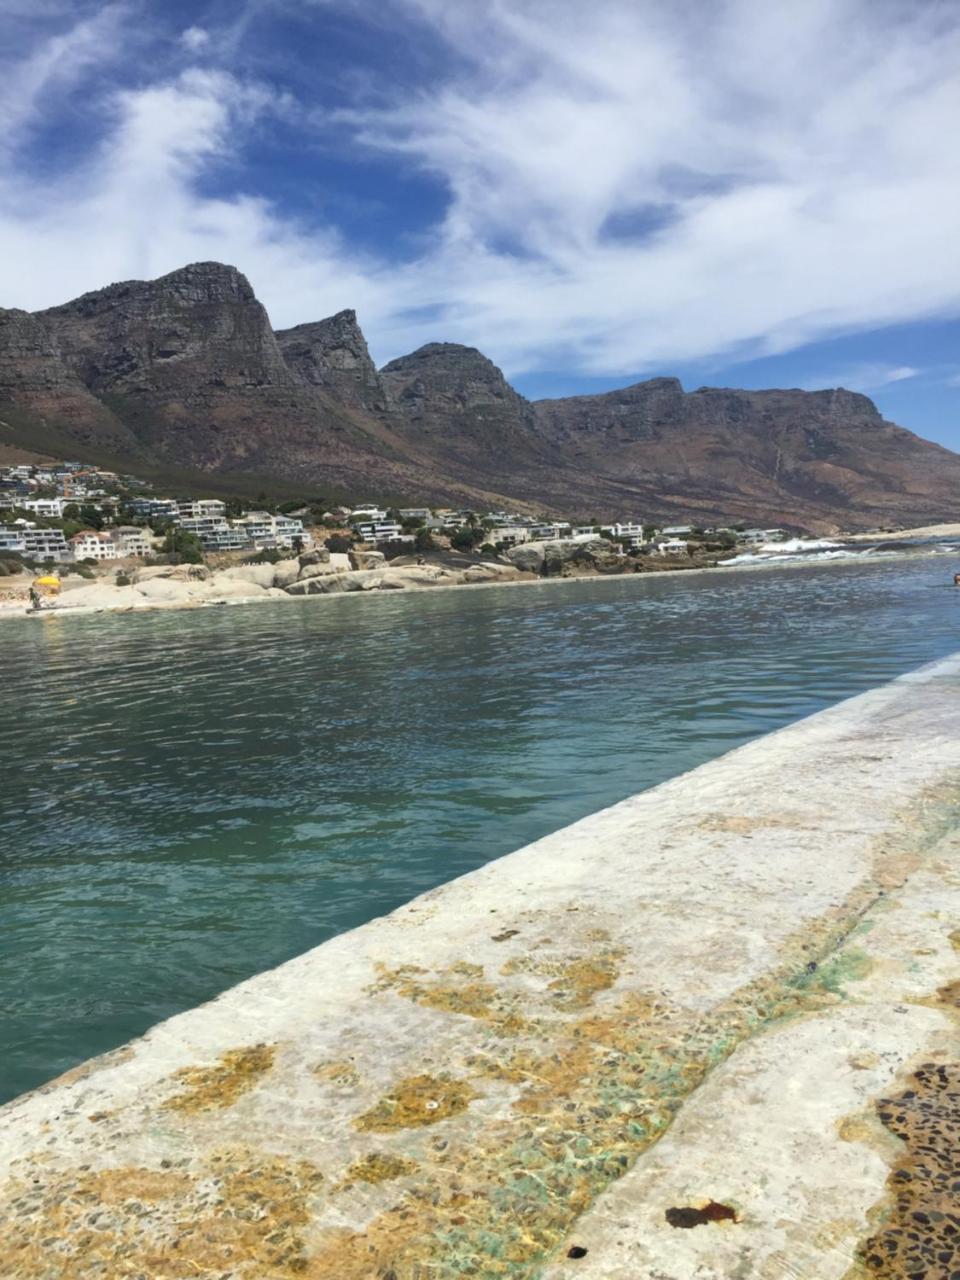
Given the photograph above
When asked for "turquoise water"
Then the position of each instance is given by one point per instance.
(191, 797)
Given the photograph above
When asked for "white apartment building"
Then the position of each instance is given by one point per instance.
(266, 531)
(90, 544)
(131, 541)
(379, 531)
(559, 529)
(629, 532)
(44, 544)
(201, 508)
(203, 526)
(12, 539)
(155, 508)
(510, 534)
(368, 513)
(48, 507)
(229, 538)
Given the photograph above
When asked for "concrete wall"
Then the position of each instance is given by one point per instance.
(653, 1044)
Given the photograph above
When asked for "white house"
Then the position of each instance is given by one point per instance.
(12, 539)
(52, 508)
(202, 508)
(629, 532)
(367, 513)
(510, 534)
(379, 530)
(45, 544)
(91, 545)
(131, 541)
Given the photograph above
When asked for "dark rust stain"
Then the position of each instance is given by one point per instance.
(691, 1216)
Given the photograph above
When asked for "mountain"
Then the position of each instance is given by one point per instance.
(185, 375)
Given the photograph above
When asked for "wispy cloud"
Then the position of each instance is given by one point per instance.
(865, 376)
(630, 183)
(195, 38)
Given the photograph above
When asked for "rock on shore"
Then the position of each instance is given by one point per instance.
(315, 572)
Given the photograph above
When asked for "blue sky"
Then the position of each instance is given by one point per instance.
(748, 193)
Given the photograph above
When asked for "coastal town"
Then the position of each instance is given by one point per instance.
(72, 514)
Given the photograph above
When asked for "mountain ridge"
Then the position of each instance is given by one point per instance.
(187, 372)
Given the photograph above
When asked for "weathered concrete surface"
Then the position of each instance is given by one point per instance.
(684, 1010)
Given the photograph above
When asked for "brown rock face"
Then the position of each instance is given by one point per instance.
(333, 354)
(35, 377)
(186, 371)
(452, 401)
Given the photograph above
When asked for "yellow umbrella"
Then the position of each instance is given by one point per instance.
(49, 583)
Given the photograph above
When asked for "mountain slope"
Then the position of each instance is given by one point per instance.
(185, 374)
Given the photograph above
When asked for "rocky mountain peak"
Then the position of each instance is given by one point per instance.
(333, 354)
(198, 326)
(185, 371)
(447, 377)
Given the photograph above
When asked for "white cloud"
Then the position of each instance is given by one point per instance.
(195, 38)
(31, 81)
(796, 164)
(864, 376)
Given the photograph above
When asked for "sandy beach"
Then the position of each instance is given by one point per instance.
(925, 531)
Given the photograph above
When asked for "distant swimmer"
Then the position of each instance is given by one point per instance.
(956, 579)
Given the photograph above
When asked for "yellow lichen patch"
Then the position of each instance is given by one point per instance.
(342, 1254)
(865, 1061)
(379, 1166)
(418, 1101)
(857, 1129)
(745, 825)
(553, 1080)
(240, 1213)
(218, 1086)
(460, 988)
(583, 979)
(341, 1073)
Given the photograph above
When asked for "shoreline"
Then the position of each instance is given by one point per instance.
(20, 610)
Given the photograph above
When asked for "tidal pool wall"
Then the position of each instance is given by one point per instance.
(711, 1031)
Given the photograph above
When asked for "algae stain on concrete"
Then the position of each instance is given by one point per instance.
(416, 1102)
(379, 1166)
(596, 1091)
(460, 988)
(234, 1074)
(238, 1212)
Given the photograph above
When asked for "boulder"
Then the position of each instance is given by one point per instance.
(528, 556)
(285, 572)
(562, 557)
(256, 575)
(333, 583)
(363, 559)
(172, 572)
(316, 555)
(487, 572)
(320, 570)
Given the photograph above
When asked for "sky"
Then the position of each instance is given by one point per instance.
(737, 193)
